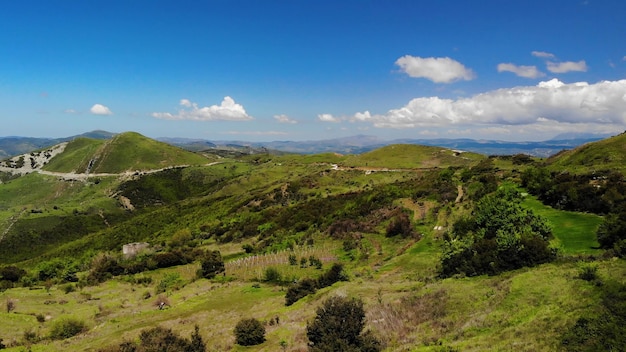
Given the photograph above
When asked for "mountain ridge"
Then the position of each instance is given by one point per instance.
(12, 146)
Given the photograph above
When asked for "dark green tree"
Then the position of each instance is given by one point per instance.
(11, 273)
(211, 264)
(338, 326)
(499, 235)
(249, 332)
(612, 230)
(300, 289)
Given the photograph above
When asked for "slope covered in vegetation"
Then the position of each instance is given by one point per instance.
(436, 249)
(605, 154)
(124, 152)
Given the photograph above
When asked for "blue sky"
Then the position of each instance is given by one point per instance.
(311, 70)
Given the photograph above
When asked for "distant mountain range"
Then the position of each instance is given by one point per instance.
(11, 146)
(363, 143)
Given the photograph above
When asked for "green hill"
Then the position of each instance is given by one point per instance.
(124, 152)
(410, 156)
(606, 154)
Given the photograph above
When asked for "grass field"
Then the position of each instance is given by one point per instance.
(574, 232)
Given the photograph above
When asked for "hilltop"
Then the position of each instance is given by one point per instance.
(124, 152)
(388, 216)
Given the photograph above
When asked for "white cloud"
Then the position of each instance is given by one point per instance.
(568, 66)
(328, 118)
(227, 110)
(99, 109)
(522, 71)
(436, 69)
(284, 119)
(600, 104)
(543, 55)
(70, 111)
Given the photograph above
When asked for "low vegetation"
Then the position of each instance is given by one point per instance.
(403, 248)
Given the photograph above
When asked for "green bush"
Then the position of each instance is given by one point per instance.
(211, 264)
(334, 274)
(308, 286)
(612, 230)
(272, 275)
(66, 328)
(588, 271)
(249, 332)
(11, 273)
(499, 235)
(338, 326)
(299, 290)
(171, 281)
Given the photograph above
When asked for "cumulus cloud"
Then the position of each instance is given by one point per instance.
(284, 119)
(99, 109)
(436, 69)
(328, 118)
(551, 102)
(568, 66)
(227, 110)
(543, 55)
(522, 71)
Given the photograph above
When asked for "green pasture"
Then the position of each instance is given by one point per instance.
(575, 233)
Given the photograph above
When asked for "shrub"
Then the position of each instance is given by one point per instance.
(171, 281)
(334, 274)
(11, 273)
(10, 304)
(66, 328)
(211, 264)
(292, 259)
(249, 332)
(400, 225)
(314, 261)
(308, 286)
(167, 259)
(500, 235)
(301, 289)
(338, 326)
(612, 230)
(68, 288)
(588, 271)
(162, 339)
(30, 336)
(272, 275)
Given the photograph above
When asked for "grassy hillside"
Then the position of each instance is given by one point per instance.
(76, 156)
(124, 152)
(408, 156)
(260, 210)
(606, 154)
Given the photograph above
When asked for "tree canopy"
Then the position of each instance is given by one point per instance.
(499, 235)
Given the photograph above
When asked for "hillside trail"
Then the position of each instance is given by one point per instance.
(12, 220)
